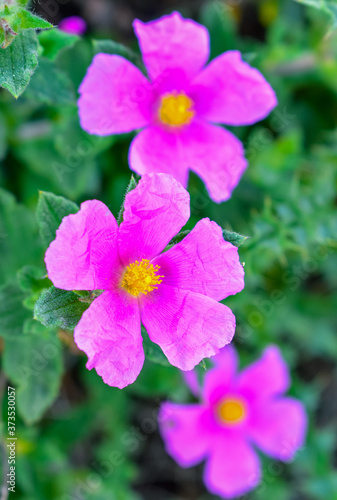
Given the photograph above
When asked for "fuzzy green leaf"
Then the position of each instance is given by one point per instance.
(59, 308)
(50, 211)
(22, 19)
(235, 238)
(132, 185)
(18, 62)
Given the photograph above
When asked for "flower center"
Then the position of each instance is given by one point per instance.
(141, 277)
(176, 110)
(231, 411)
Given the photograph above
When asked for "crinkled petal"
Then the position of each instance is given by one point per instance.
(230, 91)
(155, 149)
(154, 212)
(172, 42)
(215, 154)
(269, 376)
(188, 326)
(84, 255)
(219, 380)
(109, 333)
(203, 262)
(115, 97)
(278, 427)
(185, 437)
(233, 467)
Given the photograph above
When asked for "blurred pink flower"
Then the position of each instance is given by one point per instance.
(74, 25)
(179, 104)
(174, 294)
(237, 411)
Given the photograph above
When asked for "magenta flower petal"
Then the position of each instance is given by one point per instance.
(203, 262)
(215, 154)
(84, 254)
(278, 427)
(155, 149)
(233, 467)
(183, 432)
(73, 25)
(109, 333)
(219, 380)
(115, 97)
(230, 91)
(172, 42)
(154, 212)
(192, 382)
(269, 376)
(188, 326)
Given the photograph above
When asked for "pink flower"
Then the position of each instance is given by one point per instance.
(74, 25)
(179, 104)
(174, 294)
(237, 411)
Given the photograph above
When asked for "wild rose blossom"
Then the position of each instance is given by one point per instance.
(237, 412)
(179, 105)
(73, 25)
(174, 294)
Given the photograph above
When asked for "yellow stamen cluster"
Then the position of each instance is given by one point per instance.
(176, 109)
(141, 277)
(231, 411)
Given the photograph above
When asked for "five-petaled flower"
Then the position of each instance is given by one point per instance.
(179, 106)
(174, 294)
(236, 412)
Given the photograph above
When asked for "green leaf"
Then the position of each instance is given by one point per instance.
(54, 41)
(35, 366)
(12, 312)
(22, 19)
(59, 308)
(18, 62)
(132, 185)
(50, 211)
(15, 20)
(51, 85)
(152, 351)
(111, 47)
(234, 238)
(19, 239)
(328, 7)
(33, 279)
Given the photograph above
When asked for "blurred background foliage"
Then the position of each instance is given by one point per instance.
(80, 439)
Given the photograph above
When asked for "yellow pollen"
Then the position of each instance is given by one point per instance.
(141, 277)
(176, 110)
(231, 411)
